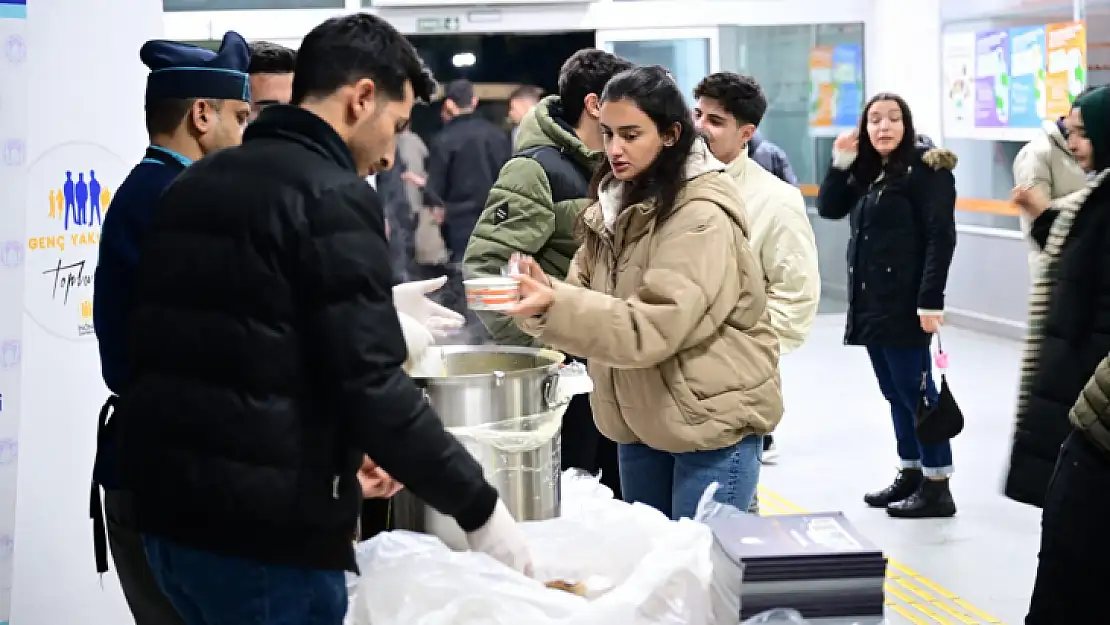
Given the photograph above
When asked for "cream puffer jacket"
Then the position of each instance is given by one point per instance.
(1047, 163)
(671, 318)
(781, 238)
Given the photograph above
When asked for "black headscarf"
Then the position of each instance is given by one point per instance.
(1095, 109)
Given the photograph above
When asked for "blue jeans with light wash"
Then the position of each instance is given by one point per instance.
(898, 371)
(210, 589)
(674, 483)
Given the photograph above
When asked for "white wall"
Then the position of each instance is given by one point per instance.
(13, 125)
(84, 88)
(902, 54)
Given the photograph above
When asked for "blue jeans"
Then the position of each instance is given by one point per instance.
(674, 483)
(899, 373)
(210, 589)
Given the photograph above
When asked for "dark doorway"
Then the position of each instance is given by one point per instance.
(499, 59)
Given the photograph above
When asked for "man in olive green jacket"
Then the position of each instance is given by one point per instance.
(537, 197)
(532, 209)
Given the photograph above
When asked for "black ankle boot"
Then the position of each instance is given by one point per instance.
(906, 484)
(932, 501)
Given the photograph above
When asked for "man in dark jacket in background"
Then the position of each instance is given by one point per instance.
(521, 100)
(267, 353)
(463, 163)
(531, 209)
(772, 158)
(271, 72)
(191, 111)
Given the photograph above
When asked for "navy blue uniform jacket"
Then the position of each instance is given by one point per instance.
(125, 225)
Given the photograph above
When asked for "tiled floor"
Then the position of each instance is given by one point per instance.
(836, 442)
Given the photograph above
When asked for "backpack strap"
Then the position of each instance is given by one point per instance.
(568, 180)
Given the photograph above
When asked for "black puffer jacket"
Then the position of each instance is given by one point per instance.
(267, 358)
(1076, 339)
(903, 238)
(464, 161)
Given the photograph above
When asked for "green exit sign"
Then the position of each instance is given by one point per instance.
(437, 24)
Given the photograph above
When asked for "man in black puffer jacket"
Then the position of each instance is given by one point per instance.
(267, 353)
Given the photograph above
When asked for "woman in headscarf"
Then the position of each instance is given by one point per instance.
(1064, 404)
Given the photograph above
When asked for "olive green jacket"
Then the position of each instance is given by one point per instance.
(520, 215)
(1091, 412)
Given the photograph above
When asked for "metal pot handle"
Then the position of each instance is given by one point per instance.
(551, 395)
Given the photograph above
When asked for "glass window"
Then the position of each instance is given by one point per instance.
(779, 58)
(687, 59)
(244, 5)
(985, 172)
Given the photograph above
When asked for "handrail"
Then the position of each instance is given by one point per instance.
(971, 205)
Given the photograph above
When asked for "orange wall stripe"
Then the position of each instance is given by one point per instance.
(990, 207)
(971, 205)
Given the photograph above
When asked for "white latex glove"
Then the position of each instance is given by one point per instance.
(501, 539)
(410, 299)
(417, 339)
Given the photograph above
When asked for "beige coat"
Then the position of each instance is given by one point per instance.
(1047, 163)
(671, 317)
(783, 244)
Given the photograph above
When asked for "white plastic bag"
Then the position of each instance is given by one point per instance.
(639, 568)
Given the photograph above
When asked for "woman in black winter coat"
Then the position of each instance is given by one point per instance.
(900, 193)
(1061, 453)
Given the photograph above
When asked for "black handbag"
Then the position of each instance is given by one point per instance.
(943, 420)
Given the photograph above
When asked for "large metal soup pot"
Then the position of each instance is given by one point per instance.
(505, 406)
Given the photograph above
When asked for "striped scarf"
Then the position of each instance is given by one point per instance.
(1040, 298)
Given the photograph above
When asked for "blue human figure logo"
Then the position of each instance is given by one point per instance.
(11, 254)
(94, 198)
(82, 200)
(13, 152)
(69, 193)
(9, 452)
(11, 353)
(15, 48)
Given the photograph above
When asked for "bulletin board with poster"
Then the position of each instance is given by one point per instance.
(1000, 84)
(835, 89)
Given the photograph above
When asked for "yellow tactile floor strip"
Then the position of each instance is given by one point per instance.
(909, 594)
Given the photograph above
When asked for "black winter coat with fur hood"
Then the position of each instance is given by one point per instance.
(903, 237)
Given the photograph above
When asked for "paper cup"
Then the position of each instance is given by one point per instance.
(491, 293)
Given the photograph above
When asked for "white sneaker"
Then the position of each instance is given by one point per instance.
(770, 453)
